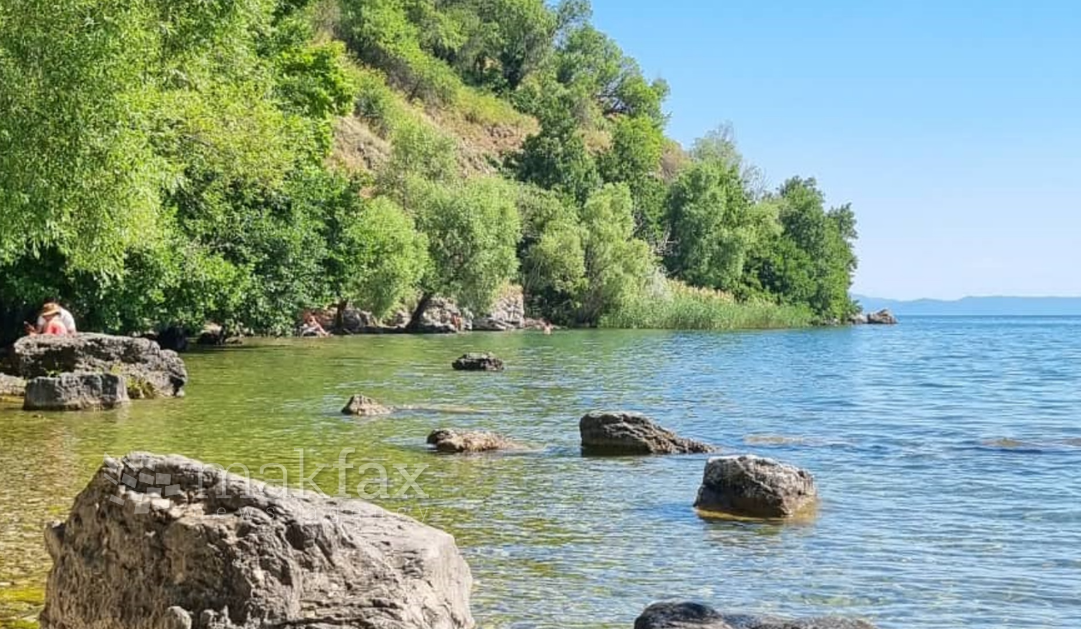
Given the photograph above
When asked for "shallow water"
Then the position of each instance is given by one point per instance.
(946, 453)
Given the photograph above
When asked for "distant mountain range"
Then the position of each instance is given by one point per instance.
(1002, 306)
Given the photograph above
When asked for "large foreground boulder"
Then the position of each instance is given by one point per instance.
(623, 432)
(364, 406)
(163, 542)
(76, 392)
(10, 386)
(445, 440)
(474, 361)
(696, 616)
(755, 487)
(149, 370)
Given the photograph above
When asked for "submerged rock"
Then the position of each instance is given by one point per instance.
(149, 370)
(166, 541)
(10, 386)
(364, 405)
(623, 432)
(755, 487)
(469, 441)
(882, 317)
(478, 362)
(697, 616)
(76, 392)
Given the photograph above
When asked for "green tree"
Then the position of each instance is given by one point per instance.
(634, 158)
(472, 230)
(618, 265)
(715, 225)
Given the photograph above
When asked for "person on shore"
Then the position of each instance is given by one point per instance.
(51, 319)
(546, 326)
(312, 327)
(65, 318)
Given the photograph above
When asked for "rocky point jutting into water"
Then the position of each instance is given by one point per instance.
(149, 371)
(166, 542)
(76, 392)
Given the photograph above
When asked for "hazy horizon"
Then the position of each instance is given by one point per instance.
(951, 128)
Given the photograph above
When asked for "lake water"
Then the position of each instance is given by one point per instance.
(947, 453)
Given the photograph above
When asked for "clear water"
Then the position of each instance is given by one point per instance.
(947, 453)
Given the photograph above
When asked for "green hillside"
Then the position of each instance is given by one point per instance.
(171, 162)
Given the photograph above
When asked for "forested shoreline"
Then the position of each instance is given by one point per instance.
(167, 164)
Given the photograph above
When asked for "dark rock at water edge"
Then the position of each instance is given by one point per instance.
(624, 432)
(442, 316)
(478, 362)
(697, 616)
(165, 541)
(173, 338)
(149, 370)
(755, 487)
(76, 392)
(363, 405)
(444, 440)
(882, 317)
(11, 386)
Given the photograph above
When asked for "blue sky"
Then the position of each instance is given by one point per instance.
(954, 128)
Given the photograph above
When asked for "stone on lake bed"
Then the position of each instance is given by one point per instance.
(364, 406)
(755, 487)
(76, 392)
(445, 440)
(624, 432)
(157, 542)
(10, 386)
(475, 361)
(698, 616)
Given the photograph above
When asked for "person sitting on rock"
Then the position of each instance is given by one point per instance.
(312, 327)
(52, 322)
(66, 319)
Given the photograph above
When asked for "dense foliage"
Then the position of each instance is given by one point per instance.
(169, 163)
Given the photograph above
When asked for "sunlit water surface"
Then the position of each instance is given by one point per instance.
(946, 451)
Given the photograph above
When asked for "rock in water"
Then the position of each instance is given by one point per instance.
(478, 362)
(165, 541)
(882, 317)
(696, 616)
(76, 392)
(755, 487)
(469, 441)
(622, 432)
(10, 386)
(364, 405)
(149, 370)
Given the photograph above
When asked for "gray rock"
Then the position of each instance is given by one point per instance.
(478, 362)
(754, 486)
(10, 386)
(882, 317)
(364, 405)
(623, 432)
(443, 316)
(469, 441)
(149, 370)
(76, 392)
(161, 541)
(697, 616)
(508, 313)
